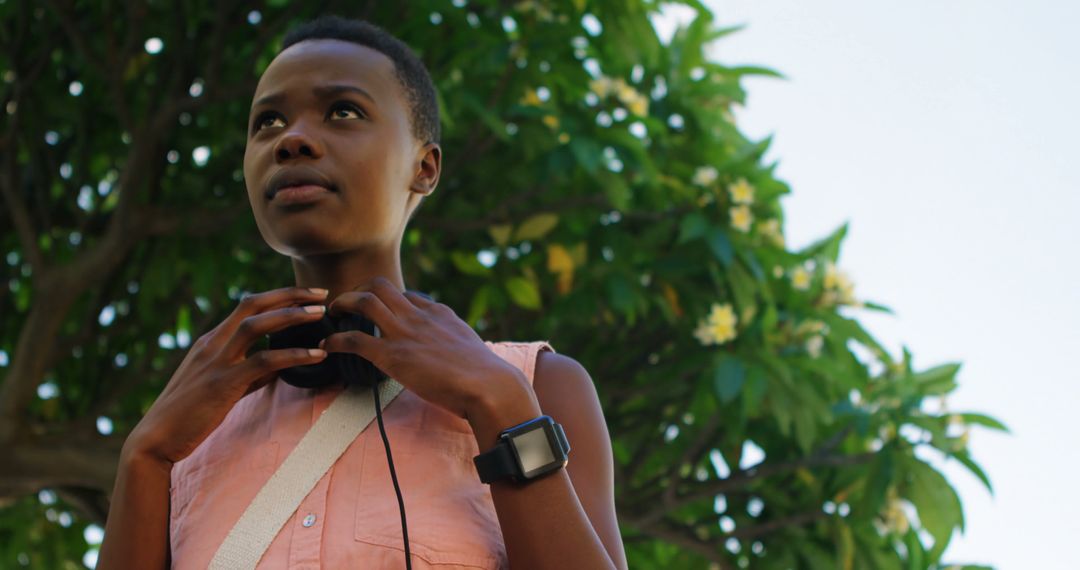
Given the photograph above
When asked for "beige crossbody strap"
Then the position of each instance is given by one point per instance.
(279, 498)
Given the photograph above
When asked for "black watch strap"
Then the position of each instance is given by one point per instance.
(496, 463)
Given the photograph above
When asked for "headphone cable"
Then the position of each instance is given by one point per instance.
(393, 475)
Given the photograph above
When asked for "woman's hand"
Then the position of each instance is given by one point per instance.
(217, 373)
(423, 345)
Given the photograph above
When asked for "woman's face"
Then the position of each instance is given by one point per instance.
(334, 110)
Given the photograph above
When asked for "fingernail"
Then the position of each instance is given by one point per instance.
(317, 291)
(322, 343)
(316, 352)
(315, 309)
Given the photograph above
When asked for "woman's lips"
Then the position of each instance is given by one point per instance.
(299, 194)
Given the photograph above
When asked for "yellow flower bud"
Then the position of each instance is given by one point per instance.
(741, 218)
(639, 106)
(800, 279)
(531, 98)
(741, 192)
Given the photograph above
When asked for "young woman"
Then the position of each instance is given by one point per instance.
(343, 144)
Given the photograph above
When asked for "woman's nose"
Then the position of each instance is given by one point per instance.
(296, 143)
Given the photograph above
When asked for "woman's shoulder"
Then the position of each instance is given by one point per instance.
(522, 354)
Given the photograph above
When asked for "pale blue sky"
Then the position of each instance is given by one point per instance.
(944, 131)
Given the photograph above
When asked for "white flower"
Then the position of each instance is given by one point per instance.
(718, 327)
(741, 192)
(771, 230)
(741, 218)
(800, 278)
(705, 175)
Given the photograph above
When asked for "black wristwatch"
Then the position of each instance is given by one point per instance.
(525, 452)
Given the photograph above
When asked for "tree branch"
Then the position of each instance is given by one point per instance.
(469, 225)
(740, 479)
(61, 461)
(9, 181)
(92, 503)
(684, 537)
(478, 126)
(757, 531)
(689, 456)
(111, 72)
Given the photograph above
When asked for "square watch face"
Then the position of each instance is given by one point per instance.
(534, 449)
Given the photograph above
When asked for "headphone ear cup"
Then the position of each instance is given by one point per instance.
(337, 366)
(354, 368)
(307, 335)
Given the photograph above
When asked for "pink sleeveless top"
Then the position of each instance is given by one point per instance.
(351, 518)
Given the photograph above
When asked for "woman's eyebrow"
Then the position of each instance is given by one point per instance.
(322, 91)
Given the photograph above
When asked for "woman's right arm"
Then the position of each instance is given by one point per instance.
(213, 377)
(138, 519)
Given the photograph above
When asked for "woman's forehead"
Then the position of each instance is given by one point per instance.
(313, 63)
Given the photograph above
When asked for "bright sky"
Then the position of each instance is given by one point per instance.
(942, 130)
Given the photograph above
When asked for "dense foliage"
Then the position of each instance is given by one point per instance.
(597, 193)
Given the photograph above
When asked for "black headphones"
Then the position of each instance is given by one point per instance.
(341, 367)
(337, 366)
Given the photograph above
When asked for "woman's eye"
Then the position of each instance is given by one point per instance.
(261, 121)
(341, 111)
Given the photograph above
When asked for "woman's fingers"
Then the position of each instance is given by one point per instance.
(392, 297)
(420, 300)
(257, 326)
(256, 303)
(356, 342)
(262, 367)
(368, 305)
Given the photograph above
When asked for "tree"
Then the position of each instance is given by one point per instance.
(597, 192)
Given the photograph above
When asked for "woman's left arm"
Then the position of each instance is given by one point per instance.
(565, 519)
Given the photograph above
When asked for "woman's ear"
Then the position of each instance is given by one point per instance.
(428, 169)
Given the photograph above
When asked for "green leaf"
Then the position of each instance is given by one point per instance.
(754, 391)
(748, 258)
(22, 298)
(829, 247)
(720, 245)
(183, 319)
(587, 153)
(754, 70)
(693, 225)
(936, 501)
(523, 292)
(983, 420)
(815, 556)
(878, 478)
(846, 547)
(916, 552)
(876, 307)
(468, 263)
(964, 458)
(620, 293)
(536, 227)
(728, 377)
(500, 233)
(494, 122)
(938, 380)
(743, 288)
(479, 304)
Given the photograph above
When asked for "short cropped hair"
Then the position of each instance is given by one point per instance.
(410, 71)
